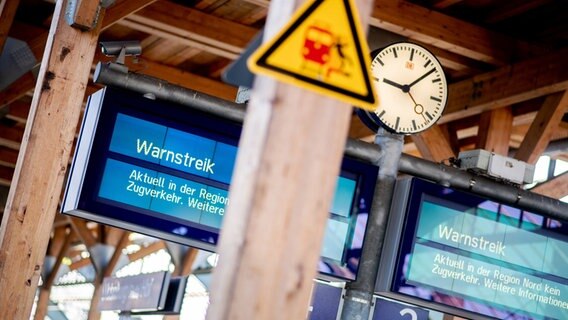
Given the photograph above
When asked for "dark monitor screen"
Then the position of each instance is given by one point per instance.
(462, 254)
(163, 169)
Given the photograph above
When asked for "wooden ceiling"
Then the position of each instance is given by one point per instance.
(506, 64)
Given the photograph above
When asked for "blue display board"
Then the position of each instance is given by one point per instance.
(325, 302)
(459, 252)
(164, 170)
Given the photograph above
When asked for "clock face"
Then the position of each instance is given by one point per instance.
(411, 86)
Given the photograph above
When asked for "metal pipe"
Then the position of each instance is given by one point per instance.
(110, 74)
(117, 75)
(467, 181)
(359, 293)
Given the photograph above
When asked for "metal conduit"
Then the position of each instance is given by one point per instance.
(117, 75)
(110, 74)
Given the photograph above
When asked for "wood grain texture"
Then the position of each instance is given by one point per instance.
(289, 157)
(542, 128)
(495, 130)
(42, 163)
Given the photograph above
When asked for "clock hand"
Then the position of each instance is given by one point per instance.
(421, 77)
(394, 84)
(418, 108)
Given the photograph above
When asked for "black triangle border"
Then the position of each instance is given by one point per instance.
(262, 61)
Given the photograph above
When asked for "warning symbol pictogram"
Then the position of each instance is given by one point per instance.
(323, 49)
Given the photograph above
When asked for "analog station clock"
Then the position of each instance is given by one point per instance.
(411, 87)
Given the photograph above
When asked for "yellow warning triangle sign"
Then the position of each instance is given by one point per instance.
(323, 49)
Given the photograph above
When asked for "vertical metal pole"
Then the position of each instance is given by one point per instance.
(359, 293)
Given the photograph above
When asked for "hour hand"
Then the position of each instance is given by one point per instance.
(394, 84)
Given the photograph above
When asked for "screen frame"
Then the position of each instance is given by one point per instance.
(92, 151)
(409, 195)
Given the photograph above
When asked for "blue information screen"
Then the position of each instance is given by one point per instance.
(170, 172)
(483, 256)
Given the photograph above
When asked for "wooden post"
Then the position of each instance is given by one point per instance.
(59, 252)
(8, 10)
(42, 162)
(494, 131)
(286, 169)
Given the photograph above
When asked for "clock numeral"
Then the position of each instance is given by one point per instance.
(396, 124)
(427, 64)
(429, 115)
(436, 80)
(436, 99)
(411, 54)
(414, 125)
(382, 113)
(380, 61)
(395, 54)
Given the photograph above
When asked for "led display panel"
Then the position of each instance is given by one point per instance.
(462, 254)
(164, 170)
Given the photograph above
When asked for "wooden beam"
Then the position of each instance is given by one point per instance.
(8, 10)
(84, 233)
(289, 158)
(86, 14)
(17, 89)
(556, 187)
(19, 111)
(357, 129)
(8, 155)
(433, 144)
(449, 33)
(45, 290)
(547, 120)
(154, 247)
(57, 240)
(122, 9)
(112, 235)
(421, 24)
(508, 85)
(193, 28)
(508, 9)
(14, 133)
(495, 130)
(42, 163)
(443, 4)
(6, 175)
(187, 263)
(60, 255)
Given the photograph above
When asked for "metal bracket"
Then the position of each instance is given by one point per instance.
(90, 13)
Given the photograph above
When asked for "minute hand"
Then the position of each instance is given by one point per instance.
(422, 77)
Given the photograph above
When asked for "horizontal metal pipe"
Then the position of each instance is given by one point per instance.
(466, 181)
(117, 75)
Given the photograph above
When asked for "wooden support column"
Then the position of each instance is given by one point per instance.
(433, 144)
(284, 179)
(42, 162)
(45, 290)
(8, 10)
(546, 121)
(494, 130)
